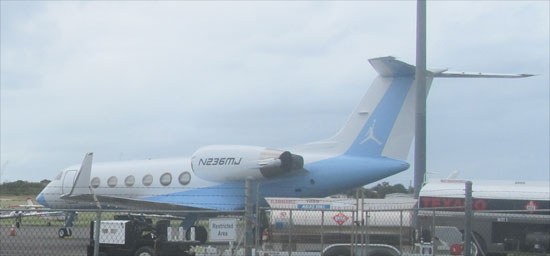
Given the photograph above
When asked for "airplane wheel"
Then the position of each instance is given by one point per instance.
(62, 232)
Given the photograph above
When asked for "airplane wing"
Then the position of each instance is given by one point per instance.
(12, 214)
(126, 203)
(22, 213)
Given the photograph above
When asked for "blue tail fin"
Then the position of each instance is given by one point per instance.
(383, 123)
(372, 139)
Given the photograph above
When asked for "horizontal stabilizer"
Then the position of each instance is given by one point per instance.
(450, 74)
(391, 67)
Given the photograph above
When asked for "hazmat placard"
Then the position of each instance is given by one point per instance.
(223, 230)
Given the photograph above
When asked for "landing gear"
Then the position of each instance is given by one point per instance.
(64, 232)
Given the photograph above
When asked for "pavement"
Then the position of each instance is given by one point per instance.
(40, 240)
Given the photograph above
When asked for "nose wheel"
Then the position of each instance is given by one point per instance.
(64, 232)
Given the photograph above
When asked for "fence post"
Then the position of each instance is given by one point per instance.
(365, 240)
(353, 229)
(366, 233)
(433, 233)
(322, 230)
(97, 227)
(258, 218)
(400, 232)
(290, 233)
(248, 217)
(468, 220)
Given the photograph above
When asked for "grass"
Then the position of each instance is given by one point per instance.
(83, 218)
(6, 201)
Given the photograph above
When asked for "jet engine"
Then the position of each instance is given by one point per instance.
(236, 163)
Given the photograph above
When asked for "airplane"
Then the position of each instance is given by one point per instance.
(372, 145)
(29, 205)
(31, 210)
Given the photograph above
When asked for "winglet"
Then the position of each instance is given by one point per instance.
(82, 181)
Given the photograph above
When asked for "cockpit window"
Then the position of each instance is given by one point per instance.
(58, 177)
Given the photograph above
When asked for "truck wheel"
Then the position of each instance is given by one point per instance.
(482, 245)
(145, 251)
(201, 234)
(474, 250)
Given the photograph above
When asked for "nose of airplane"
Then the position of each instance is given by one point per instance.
(41, 200)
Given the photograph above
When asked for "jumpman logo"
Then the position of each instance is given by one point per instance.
(370, 134)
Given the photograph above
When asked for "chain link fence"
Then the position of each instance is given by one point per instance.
(277, 231)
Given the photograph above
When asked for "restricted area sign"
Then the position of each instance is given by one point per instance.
(223, 230)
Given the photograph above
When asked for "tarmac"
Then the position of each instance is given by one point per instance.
(40, 240)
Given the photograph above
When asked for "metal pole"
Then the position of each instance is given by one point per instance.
(401, 232)
(248, 217)
(97, 227)
(420, 121)
(258, 218)
(353, 228)
(364, 225)
(433, 233)
(468, 221)
(290, 234)
(322, 230)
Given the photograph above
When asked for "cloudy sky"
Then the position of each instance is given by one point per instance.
(137, 80)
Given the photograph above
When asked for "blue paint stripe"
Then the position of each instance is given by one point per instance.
(228, 196)
(41, 200)
(382, 119)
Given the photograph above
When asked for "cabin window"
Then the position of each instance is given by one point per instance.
(58, 177)
(130, 180)
(166, 179)
(147, 180)
(95, 182)
(185, 178)
(112, 181)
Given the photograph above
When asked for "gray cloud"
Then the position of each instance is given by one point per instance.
(160, 79)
